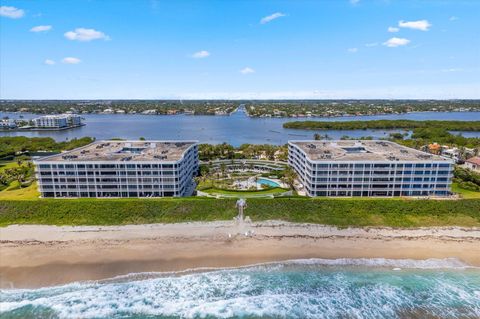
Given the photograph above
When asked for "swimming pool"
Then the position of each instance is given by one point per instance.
(263, 181)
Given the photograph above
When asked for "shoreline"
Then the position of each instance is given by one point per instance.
(38, 256)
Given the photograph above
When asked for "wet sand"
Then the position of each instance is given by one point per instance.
(36, 256)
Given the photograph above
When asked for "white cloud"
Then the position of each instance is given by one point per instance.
(352, 50)
(49, 62)
(396, 42)
(201, 54)
(247, 70)
(372, 44)
(452, 70)
(453, 18)
(82, 34)
(41, 28)
(393, 29)
(272, 17)
(354, 2)
(422, 25)
(71, 60)
(11, 12)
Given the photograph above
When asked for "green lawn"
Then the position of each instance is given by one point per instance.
(15, 192)
(245, 193)
(342, 213)
(464, 193)
(4, 165)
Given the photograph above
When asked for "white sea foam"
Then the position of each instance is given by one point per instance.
(431, 263)
(307, 288)
(397, 264)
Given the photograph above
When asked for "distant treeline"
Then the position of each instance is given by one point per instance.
(254, 108)
(198, 107)
(335, 108)
(384, 124)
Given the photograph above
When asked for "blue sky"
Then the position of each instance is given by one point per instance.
(101, 49)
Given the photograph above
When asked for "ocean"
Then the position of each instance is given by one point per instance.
(309, 288)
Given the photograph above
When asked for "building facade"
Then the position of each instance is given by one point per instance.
(473, 163)
(57, 121)
(120, 169)
(368, 169)
(7, 124)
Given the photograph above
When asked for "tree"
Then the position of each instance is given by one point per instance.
(223, 168)
(289, 177)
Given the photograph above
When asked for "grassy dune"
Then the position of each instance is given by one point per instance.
(343, 213)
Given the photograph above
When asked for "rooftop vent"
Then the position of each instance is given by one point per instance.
(424, 156)
(67, 157)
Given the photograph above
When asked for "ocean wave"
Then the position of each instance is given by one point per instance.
(431, 263)
(397, 264)
(306, 288)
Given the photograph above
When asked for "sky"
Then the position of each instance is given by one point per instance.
(250, 49)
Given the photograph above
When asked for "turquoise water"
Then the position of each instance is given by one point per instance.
(268, 182)
(343, 288)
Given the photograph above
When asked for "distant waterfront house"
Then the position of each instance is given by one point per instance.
(473, 163)
(368, 168)
(57, 121)
(120, 169)
(7, 124)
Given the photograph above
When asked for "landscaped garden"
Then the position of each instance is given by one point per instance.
(243, 178)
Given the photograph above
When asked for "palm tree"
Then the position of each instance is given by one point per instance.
(223, 168)
(289, 177)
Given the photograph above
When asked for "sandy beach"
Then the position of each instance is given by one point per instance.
(36, 256)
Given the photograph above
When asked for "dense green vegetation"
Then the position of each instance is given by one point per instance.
(307, 108)
(276, 108)
(339, 212)
(385, 124)
(11, 146)
(424, 136)
(198, 107)
(467, 179)
(423, 132)
(209, 152)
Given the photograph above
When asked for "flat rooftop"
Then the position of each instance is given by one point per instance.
(362, 150)
(125, 151)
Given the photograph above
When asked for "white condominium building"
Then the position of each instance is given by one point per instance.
(57, 121)
(120, 169)
(368, 168)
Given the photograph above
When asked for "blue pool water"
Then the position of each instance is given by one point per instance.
(311, 288)
(268, 182)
